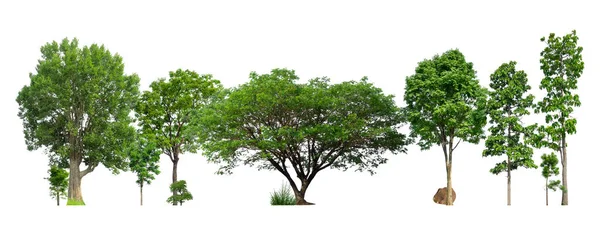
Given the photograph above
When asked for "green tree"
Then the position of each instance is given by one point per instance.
(506, 106)
(77, 107)
(274, 122)
(550, 168)
(180, 193)
(164, 112)
(445, 105)
(144, 156)
(59, 182)
(562, 65)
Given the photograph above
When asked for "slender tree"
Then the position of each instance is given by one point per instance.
(164, 112)
(562, 65)
(276, 123)
(144, 156)
(77, 107)
(550, 168)
(445, 105)
(506, 106)
(59, 182)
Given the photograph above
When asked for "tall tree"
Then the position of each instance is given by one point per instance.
(180, 193)
(506, 106)
(562, 65)
(59, 182)
(77, 107)
(274, 122)
(164, 112)
(550, 168)
(144, 156)
(445, 105)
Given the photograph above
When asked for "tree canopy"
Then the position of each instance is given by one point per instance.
(273, 122)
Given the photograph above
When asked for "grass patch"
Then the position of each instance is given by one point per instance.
(75, 203)
(283, 197)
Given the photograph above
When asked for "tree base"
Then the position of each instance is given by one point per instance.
(304, 203)
(71, 202)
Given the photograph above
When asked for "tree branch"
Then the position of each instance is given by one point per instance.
(89, 169)
(453, 148)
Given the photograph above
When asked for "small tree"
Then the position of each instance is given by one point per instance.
(59, 182)
(445, 105)
(550, 168)
(180, 193)
(144, 156)
(164, 111)
(506, 105)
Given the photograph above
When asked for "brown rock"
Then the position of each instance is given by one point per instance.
(440, 196)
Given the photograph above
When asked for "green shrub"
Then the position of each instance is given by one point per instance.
(283, 197)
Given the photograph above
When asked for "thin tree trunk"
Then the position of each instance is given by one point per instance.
(508, 169)
(565, 195)
(508, 182)
(546, 191)
(57, 199)
(141, 194)
(175, 162)
(449, 184)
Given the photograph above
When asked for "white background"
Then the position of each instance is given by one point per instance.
(342, 40)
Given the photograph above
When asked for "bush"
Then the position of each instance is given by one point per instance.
(283, 197)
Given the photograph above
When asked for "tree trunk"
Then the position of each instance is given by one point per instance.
(300, 194)
(449, 184)
(175, 179)
(565, 195)
(508, 169)
(141, 194)
(74, 194)
(546, 191)
(508, 180)
(57, 198)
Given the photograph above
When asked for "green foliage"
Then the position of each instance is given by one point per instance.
(272, 120)
(164, 112)
(59, 181)
(445, 101)
(506, 105)
(549, 169)
(78, 105)
(179, 188)
(143, 159)
(283, 197)
(562, 65)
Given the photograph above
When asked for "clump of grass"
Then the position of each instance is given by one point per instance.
(283, 197)
(75, 203)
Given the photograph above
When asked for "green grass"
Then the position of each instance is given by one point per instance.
(283, 197)
(75, 203)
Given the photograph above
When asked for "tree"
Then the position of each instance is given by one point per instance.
(77, 107)
(164, 111)
(562, 65)
(445, 105)
(506, 105)
(180, 193)
(143, 160)
(59, 182)
(549, 168)
(274, 122)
